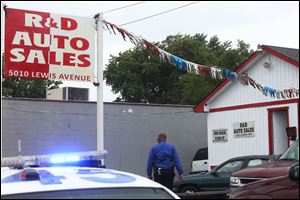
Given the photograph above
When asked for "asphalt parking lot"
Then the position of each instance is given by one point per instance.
(204, 195)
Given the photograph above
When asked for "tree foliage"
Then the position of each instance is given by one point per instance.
(139, 76)
(29, 88)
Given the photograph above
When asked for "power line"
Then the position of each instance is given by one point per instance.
(124, 7)
(158, 14)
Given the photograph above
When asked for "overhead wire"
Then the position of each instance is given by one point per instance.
(157, 14)
(123, 7)
(120, 8)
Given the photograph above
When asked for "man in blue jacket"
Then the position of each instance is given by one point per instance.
(162, 159)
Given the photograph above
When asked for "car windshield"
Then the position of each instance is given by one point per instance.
(292, 153)
(230, 167)
(98, 193)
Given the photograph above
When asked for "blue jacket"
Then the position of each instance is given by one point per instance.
(163, 155)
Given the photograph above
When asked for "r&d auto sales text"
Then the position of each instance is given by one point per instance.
(36, 47)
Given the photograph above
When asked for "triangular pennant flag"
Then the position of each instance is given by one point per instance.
(213, 72)
(107, 27)
(152, 47)
(192, 68)
(278, 94)
(122, 33)
(203, 70)
(180, 63)
(112, 27)
(283, 94)
(252, 82)
(232, 75)
(199, 69)
(272, 92)
(259, 87)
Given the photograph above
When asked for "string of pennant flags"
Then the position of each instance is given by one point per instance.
(215, 72)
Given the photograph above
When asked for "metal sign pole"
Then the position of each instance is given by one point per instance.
(100, 128)
(2, 50)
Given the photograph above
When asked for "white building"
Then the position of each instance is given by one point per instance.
(68, 93)
(242, 120)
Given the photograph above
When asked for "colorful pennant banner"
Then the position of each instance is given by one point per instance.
(215, 72)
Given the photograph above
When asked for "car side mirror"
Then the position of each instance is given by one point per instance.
(294, 173)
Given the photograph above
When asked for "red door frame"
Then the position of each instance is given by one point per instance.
(270, 125)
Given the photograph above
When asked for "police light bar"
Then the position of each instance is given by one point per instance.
(85, 159)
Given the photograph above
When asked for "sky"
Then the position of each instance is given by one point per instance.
(257, 22)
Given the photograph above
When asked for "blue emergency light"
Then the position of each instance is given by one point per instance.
(81, 159)
(65, 159)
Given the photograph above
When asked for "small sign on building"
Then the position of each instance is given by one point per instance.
(220, 135)
(243, 129)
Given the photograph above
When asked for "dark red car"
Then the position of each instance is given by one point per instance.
(284, 187)
(269, 170)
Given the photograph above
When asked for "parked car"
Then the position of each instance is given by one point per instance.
(218, 178)
(284, 187)
(269, 170)
(66, 177)
(78, 183)
(200, 161)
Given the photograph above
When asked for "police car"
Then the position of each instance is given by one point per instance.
(30, 181)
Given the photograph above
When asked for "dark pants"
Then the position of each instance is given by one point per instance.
(164, 176)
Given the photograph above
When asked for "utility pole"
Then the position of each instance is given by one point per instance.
(100, 125)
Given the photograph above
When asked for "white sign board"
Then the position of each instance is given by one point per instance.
(220, 135)
(243, 129)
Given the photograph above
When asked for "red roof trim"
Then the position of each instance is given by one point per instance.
(200, 106)
(281, 56)
(254, 105)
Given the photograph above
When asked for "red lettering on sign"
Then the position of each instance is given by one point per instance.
(68, 24)
(61, 41)
(52, 57)
(84, 58)
(69, 59)
(31, 49)
(75, 77)
(74, 44)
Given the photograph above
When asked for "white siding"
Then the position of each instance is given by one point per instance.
(55, 94)
(293, 116)
(280, 75)
(259, 144)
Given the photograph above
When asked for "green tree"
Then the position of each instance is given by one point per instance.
(140, 76)
(29, 88)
